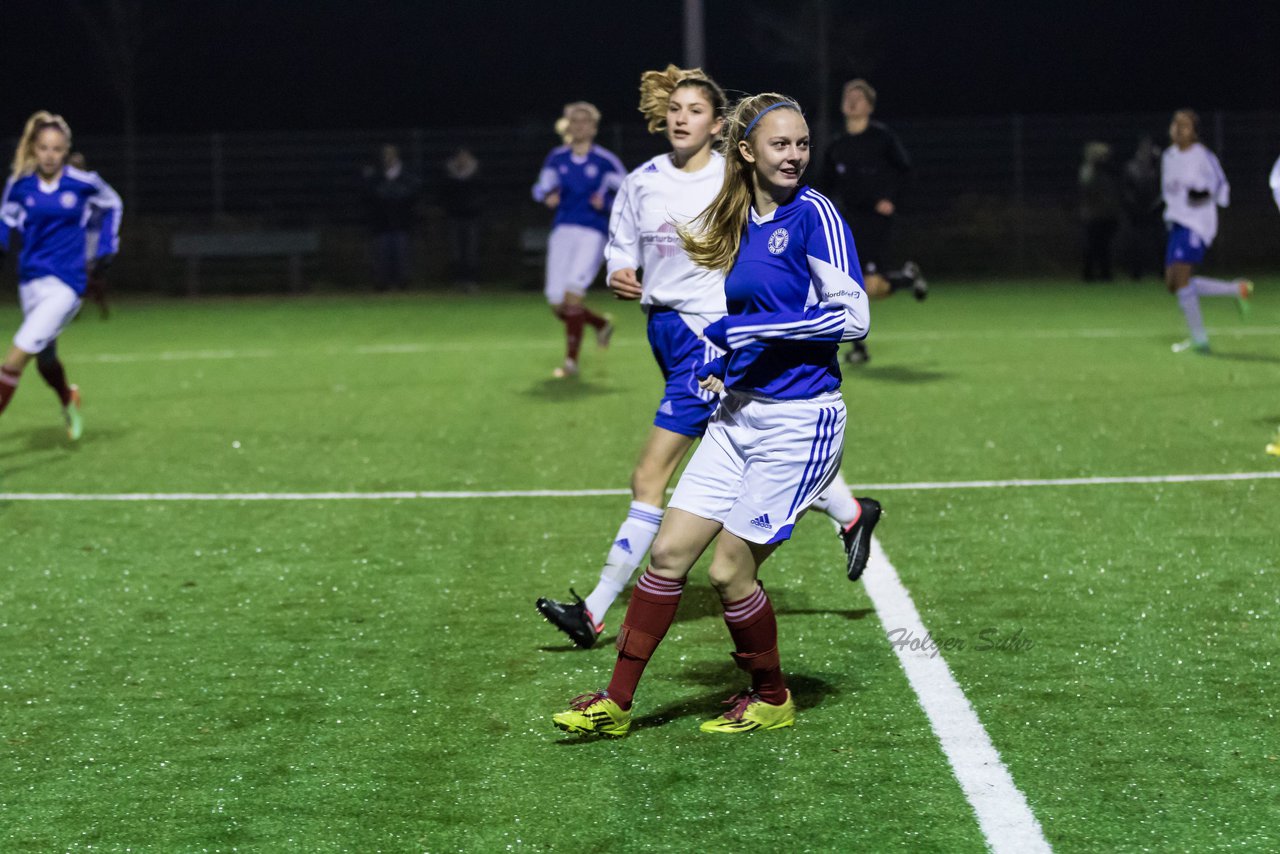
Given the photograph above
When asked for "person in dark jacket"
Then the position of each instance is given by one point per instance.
(462, 202)
(391, 197)
(1099, 210)
(864, 172)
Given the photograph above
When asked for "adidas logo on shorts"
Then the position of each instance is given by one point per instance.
(666, 408)
(762, 522)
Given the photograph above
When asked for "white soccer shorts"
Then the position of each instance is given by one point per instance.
(48, 305)
(574, 256)
(762, 463)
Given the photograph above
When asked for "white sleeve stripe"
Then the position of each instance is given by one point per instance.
(809, 196)
(831, 322)
(831, 227)
(834, 219)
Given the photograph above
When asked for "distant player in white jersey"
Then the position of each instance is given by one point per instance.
(578, 181)
(793, 292)
(52, 205)
(681, 299)
(1194, 187)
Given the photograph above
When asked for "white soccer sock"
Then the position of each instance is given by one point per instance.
(1207, 287)
(837, 502)
(629, 548)
(1189, 301)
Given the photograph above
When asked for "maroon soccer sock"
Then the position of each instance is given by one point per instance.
(649, 615)
(8, 385)
(54, 374)
(574, 317)
(754, 629)
(595, 320)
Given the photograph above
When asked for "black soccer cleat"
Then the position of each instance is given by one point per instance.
(574, 619)
(857, 537)
(857, 354)
(919, 287)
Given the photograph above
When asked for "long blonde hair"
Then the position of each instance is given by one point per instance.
(657, 87)
(562, 123)
(24, 157)
(712, 239)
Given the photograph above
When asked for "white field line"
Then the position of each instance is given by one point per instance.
(1003, 814)
(446, 495)
(549, 342)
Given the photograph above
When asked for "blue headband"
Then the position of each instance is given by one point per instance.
(760, 115)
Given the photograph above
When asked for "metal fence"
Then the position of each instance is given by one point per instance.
(987, 195)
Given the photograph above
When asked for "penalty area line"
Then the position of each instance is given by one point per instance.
(1003, 814)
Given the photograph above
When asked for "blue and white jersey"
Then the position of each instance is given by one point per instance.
(578, 178)
(794, 293)
(54, 218)
(1194, 170)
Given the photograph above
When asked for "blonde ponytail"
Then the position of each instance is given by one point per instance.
(656, 88)
(712, 239)
(24, 157)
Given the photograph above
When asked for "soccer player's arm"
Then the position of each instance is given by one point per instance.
(900, 160)
(1275, 182)
(547, 183)
(622, 252)
(841, 313)
(11, 216)
(108, 202)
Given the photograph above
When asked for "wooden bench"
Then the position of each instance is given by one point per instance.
(253, 244)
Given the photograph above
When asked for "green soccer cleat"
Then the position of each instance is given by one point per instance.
(71, 414)
(594, 714)
(749, 712)
(1244, 300)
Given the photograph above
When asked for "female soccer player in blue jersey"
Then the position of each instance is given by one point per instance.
(794, 293)
(578, 181)
(681, 300)
(1194, 187)
(51, 204)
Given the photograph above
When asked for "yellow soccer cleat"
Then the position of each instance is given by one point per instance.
(594, 714)
(1274, 447)
(749, 712)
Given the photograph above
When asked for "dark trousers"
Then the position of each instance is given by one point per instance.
(464, 243)
(391, 259)
(871, 232)
(1099, 234)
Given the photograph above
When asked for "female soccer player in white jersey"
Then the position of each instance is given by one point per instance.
(681, 300)
(794, 293)
(50, 204)
(1194, 187)
(578, 181)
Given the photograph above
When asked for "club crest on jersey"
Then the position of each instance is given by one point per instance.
(67, 200)
(591, 170)
(778, 241)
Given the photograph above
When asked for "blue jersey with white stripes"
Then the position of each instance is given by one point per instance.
(54, 218)
(794, 293)
(578, 178)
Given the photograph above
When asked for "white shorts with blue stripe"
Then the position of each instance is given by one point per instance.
(48, 305)
(762, 462)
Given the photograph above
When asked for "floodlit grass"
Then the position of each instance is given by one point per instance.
(333, 675)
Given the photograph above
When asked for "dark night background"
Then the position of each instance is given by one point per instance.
(234, 65)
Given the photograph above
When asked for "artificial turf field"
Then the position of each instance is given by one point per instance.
(370, 674)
